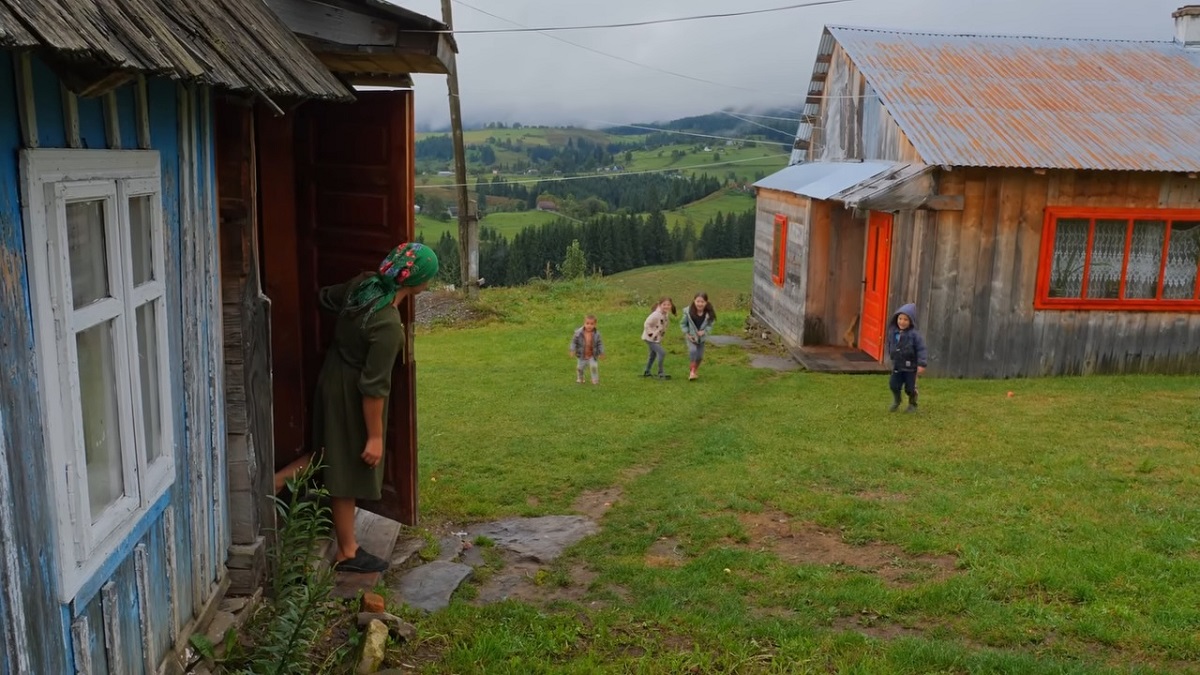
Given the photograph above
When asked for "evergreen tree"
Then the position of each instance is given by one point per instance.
(574, 265)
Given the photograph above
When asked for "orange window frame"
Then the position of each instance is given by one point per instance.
(1042, 299)
(779, 250)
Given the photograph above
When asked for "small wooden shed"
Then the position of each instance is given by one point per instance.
(151, 152)
(1037, 198)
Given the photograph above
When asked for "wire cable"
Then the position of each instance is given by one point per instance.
(652, 22)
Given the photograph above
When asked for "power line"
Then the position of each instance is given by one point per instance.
(559, 179)
(699, 17)
(618, 57)
(757, 124)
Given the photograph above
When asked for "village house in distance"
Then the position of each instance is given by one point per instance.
(1037, 198)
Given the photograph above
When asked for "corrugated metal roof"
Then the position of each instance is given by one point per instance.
(234, 44)
(822, 180)
(970, 100)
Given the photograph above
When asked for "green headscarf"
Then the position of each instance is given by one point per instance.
(410, 264)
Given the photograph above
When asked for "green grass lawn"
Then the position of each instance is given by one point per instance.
(786, 523)
(700, 212)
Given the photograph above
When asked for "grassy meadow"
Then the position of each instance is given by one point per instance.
(763, 522)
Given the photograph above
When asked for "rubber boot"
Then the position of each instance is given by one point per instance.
(692, 374)
(912, 402)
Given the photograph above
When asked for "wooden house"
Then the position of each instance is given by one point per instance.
(1037, 198)
(176, 178)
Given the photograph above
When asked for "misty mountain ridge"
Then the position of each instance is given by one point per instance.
(754, 121)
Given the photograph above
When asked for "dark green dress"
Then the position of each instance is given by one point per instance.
(359, 363)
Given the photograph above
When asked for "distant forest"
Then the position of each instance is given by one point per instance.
(611, 244)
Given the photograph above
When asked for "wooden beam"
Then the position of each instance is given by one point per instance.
(70, 117)
(468, 226)
(334, 24)
(943, 203)
(141, 570)
(26, 106)
(112, 628)
(112, 121)
(81, 638)
(377, 80)
(143, 113)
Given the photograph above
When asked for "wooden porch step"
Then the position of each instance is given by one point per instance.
(839, 360)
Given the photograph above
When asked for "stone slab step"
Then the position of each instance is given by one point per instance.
(378, 536)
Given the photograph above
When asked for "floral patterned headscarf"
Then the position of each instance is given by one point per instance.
(410, 264)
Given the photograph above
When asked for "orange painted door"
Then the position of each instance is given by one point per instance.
(355, 168)
(875, 291)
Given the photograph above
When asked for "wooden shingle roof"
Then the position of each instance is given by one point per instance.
(240, 45)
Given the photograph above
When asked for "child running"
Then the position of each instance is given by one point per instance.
(653, 331)
(587, 347)
(697, 321)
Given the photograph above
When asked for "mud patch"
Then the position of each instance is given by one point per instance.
(875, 627)
(526, 581)
(665, 553)
(446, 308)
(595, 503)
(797, 542)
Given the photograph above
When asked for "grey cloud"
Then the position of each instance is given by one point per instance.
(532, 78)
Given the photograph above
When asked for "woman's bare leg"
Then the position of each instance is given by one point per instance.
(343, 527)
(283, 475)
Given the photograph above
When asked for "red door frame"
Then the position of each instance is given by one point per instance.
(873, 325)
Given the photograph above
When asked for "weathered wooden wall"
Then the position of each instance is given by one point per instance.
(853, 123)
(837, 246)
(247, 317)
(129, 614)
(781, 308)
(973, 272)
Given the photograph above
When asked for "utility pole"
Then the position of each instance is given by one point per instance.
(468, 226)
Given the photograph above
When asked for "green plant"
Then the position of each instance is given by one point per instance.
(282, 634)
(574, 265)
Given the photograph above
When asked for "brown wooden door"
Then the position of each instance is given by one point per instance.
(355, 166)
(875, 291)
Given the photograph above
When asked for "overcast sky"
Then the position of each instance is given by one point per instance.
(755, 60)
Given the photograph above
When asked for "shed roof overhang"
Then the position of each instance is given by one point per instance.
(874, 185)
(370, 42)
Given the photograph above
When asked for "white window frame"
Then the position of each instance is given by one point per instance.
(50, 180)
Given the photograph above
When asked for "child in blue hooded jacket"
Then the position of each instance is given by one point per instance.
(907, 349)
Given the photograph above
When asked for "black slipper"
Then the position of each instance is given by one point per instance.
(362, 562)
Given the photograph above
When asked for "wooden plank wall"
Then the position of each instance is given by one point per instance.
(836, 256)
(26, 603)
(973, 274)
(853, 122)
(781, 308)
(128, 616)
(247, 317)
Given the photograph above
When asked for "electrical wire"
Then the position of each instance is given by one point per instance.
(611, 174)
(757, 124)
(527, 29)
(618, 57)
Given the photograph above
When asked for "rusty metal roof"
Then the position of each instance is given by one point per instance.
(234, 44)
(973, 100)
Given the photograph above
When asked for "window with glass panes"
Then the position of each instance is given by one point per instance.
(1120, 259)
(97, 263)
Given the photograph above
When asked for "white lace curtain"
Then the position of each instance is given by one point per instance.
(1108, 258)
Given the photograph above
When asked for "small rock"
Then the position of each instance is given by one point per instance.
(399, 628)
(473, 556)
(374, 648)
(234, 605)
(449, 548)
(221, 623)
(373, 603)
(430, 586)
(539, 539)
(405, 549)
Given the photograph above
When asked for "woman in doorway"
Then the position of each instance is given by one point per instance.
(350, 408)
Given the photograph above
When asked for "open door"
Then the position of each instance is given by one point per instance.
(354, 193)
(875, 288)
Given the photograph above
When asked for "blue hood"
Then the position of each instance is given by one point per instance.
(909, 310)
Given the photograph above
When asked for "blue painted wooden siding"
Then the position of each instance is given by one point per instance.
(33, 522)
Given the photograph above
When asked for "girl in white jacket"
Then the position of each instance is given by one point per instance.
(653, 331)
